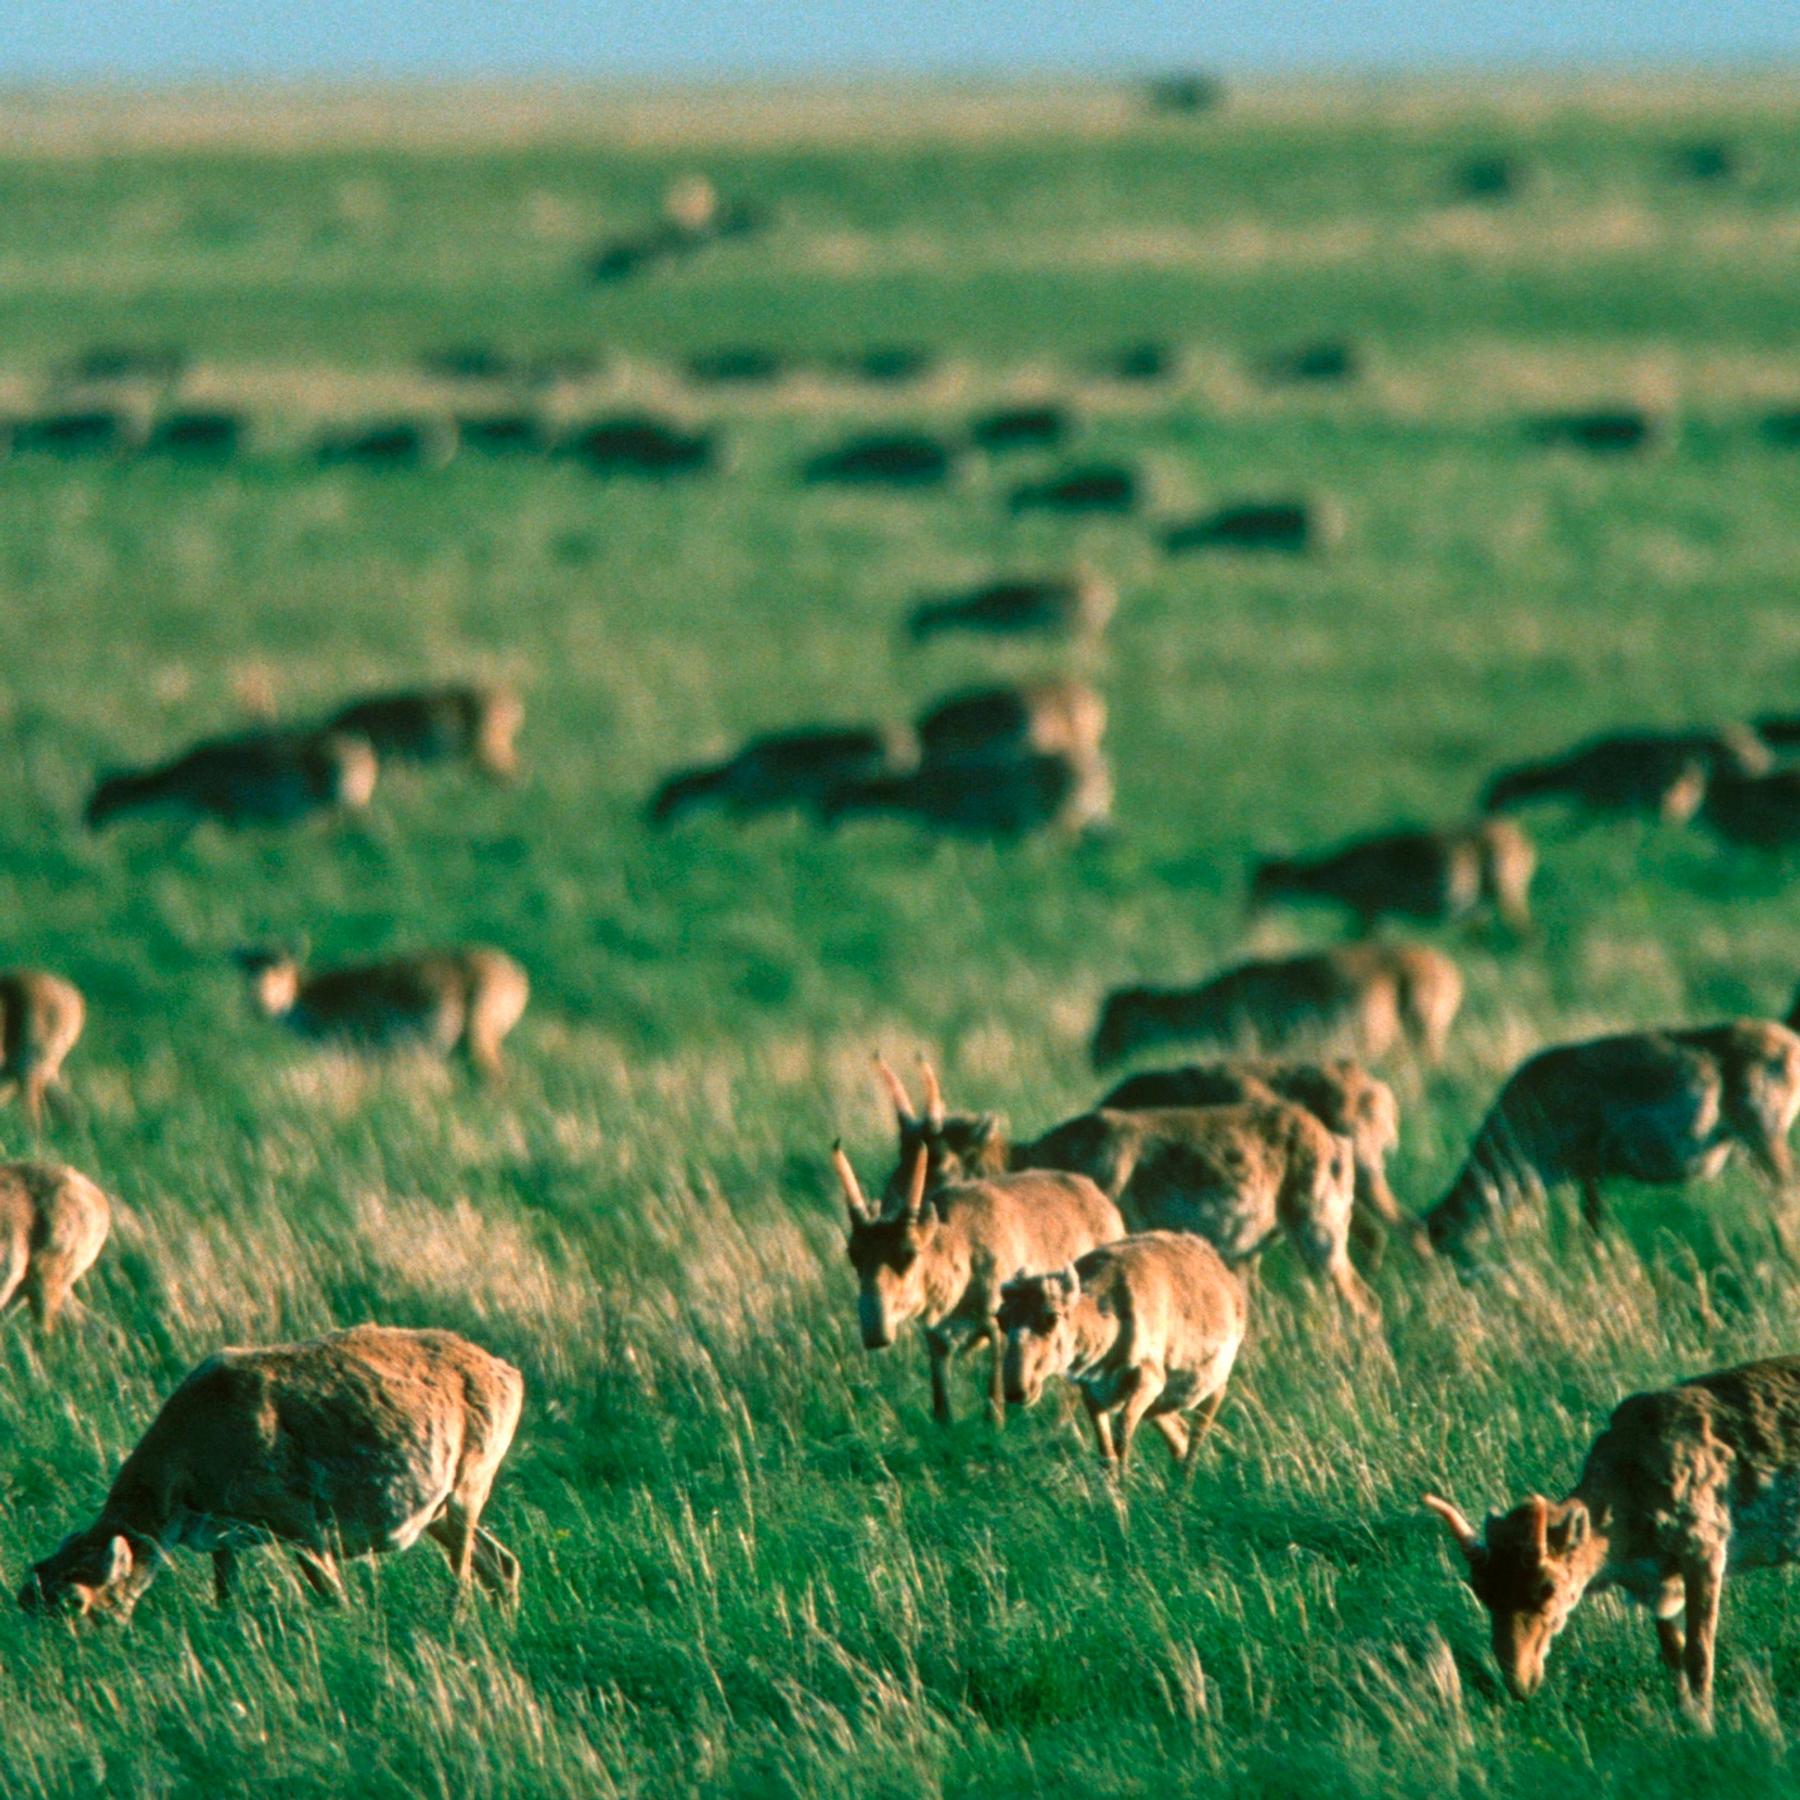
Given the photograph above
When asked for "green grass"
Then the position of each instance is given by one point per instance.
(752, 1565)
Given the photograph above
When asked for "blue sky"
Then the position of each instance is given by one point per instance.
(174, 40)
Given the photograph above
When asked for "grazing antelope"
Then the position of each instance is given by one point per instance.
(1064, 604)
(1662, 772)
(946, 1262)
(1046, 718)
(41, 1017)
(442, 724)
(1237, 1176)
(53, 1225)
(1661, 1107)
(1435, 875)
(1366, 995)
(1147, 1328)
(1685, 1485)
(1047, 791)
(1762, 811)
(266, 777)
(353, 1444)
(1343, 1096)
(445, 1001)
(783, 769)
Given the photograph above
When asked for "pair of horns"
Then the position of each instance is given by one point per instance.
(861, 1212)
(1471, 1543)
(933, 1114)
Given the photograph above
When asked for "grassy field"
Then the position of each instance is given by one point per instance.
(752, 1564)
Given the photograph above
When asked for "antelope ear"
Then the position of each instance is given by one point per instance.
(117, 1564)
(987, 1129)
(1569, 1533)
(1461, 1531)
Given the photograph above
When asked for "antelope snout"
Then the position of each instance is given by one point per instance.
(877, 1327)
(1523, 1683)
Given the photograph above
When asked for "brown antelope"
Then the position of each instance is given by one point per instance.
(946, 1262)
(41, 1017)
(354, 1444)
(446, 1001)
(783, 769)
(1685, 1485)
(1001, 724)
(1343, 1096)
(1762, 811)
(1051, 791)
(1663, 772)
(1661, 1107)
(1435, 875)
(53, 1225)
(1147, 1328)
(1364, 996)
(1237, 1176)
(1064, 604)
(444, 724)
(267, 777)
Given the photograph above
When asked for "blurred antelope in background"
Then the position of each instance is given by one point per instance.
(785, 768)
(41, 1017)
(1363, 997)
(460, 723)
(1146, 1328)
(1441, 876)
(53, 1226)
(1343, 1096)
(1067, 605)
(986, 725)
(944, 1260)
(1238, 1176)
(444, 1001)
(1685, 1485)
(1049, 791)
(1660, 772)
(1661, 1107)
(269, 777)
(354, 1444)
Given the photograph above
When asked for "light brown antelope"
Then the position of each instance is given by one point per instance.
(1684, 1486)
(785, 769)
(41, 1017)
(1662, 772)
(1441, 876)
(478, 725)
(945, 1261)
(1343, 1096)
(1762, 811)
(445, 1001)
(353, 1444)
(1051, 791)
(1067, 605)
(1147, 1328)
(53, 1225)
(1661, 1107)
(1362, 997)
(269, 778)
(1002, 724)
(1238, 1176)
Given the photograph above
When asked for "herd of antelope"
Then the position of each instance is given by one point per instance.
(1116, 1249)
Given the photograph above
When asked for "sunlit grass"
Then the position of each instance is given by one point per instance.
(752, 1565)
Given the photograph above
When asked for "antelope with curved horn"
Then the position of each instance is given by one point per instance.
(1685, 1485)
(946, 1263)
(1238, 1176)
